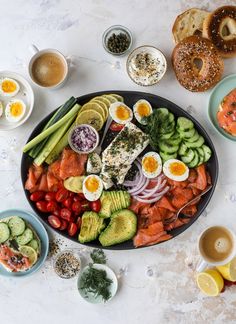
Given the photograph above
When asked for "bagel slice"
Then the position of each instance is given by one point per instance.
(188, 23)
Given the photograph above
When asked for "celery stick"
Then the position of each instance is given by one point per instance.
(52, 141)
(51, 129)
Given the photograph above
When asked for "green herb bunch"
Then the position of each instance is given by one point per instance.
(98, 256)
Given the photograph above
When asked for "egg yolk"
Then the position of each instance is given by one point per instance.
(16, 109)
(150, 164)
(177, 168)
(8, 86)
(143, 110)
(92, 184)
(122, 113)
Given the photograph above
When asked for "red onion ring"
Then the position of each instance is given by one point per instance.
(158, 197)
(155, 190)
(136, 191)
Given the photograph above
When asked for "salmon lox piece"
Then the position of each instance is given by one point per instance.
(34, 173)
(72, 164)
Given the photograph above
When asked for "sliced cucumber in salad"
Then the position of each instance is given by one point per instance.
(4, 232)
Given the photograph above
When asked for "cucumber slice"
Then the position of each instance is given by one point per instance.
(16, 225)
(34, 244)
(201, 159)
(200, 151)
(186, 134)
(174, 140)
(163, 111)
(167, 147)
(188, 157)
(4, 232)
(193, 138)
(207, 152)
(194, 161)
(165, 156)
(167, 135)
(171, 117)
(167, 129)
(25, 238)
(184, 124)
(198, 143)
(183, 149)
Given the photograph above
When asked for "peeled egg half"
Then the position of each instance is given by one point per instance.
(92, 187)
(176, 170)
(1, 109)
(9, 87)
(15, 110)
(120, 113)
(142, 108)
(151, 164)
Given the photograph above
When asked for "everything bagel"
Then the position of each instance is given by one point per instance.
(220, 27)
(191, 76)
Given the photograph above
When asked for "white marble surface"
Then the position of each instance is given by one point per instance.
(75, 28)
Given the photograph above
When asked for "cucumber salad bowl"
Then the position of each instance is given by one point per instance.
(155, 158)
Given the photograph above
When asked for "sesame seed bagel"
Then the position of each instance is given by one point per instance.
(220, 27)
(189, 75)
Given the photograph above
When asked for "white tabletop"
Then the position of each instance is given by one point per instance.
(75, 28)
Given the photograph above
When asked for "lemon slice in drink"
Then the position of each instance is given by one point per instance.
(96, 107)
(90, 117)
(110, 98)
(102, 105)
(210, 282)
(118, 97)
(29, 252)
(228, 271)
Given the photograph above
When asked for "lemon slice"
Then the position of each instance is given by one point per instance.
(96, 107)
(110, 98)
(118, 97)
(210, 282)
(103, 99)
(228, 271)
(103, 106)
(29, 252)
(90, 117)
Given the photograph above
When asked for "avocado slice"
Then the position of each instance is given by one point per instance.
(91, 227)
(74, 184)
(106, 205)
(122, 227)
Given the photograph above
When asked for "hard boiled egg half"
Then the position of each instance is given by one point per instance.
(9, 87)
(1, 109)
(176, 170)
(141, 109)
(120, 113)
(15, 110)
(151, 164)
(92, 187)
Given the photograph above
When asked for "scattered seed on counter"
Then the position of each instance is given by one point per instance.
(67, 265)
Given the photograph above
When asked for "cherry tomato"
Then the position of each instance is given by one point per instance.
(50, 196)
(54, 221)
(84, 205)
(79, 222)
(61, 195)
(64, 225)
(37, 195)
(42, 206)
(80, 196)
(76, 207)
(115, 127)
(72, 229)
(67, 202)
(95, 205)
(66, 214)
(52, 206)
(71, 194)
(57, 212)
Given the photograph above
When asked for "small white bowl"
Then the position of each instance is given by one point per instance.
(77, 256)
(72, 145)
(113, 287)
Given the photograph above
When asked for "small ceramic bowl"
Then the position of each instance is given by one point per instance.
(142, 76)
(77, 128)
(218, 93)
(98, 299)
(73, 273)
(116, 29)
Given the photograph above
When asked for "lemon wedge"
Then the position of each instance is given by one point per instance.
(210, 282)
(29, 252)
(228, 271)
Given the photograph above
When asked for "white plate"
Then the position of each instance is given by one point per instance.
(113, 287)
(25, 93)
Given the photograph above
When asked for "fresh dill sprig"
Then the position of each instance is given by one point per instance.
(98, 256)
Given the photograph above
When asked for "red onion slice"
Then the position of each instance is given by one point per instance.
(136, 191)
(152, 200)
(149, 193)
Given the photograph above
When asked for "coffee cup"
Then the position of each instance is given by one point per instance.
(217, 246)
(48, 68)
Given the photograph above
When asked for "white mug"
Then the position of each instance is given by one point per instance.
(36, 53)
(204, 263)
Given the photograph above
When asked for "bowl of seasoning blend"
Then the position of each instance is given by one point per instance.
(146, 65)
(117, 40)
(67, 264)
(83, 139)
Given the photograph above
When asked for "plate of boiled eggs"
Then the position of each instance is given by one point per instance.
(16, 100)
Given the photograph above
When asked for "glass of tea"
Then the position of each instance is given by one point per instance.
(48, 68)
(217, 246)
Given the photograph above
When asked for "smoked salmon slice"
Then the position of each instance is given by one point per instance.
(34, 173)
(72, 164)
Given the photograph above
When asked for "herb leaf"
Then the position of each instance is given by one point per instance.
(98, 256)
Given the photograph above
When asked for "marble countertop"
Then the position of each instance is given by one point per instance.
(156, 284)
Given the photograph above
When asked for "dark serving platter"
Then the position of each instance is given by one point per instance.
(130, 97)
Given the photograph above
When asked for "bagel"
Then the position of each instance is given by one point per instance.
(184, 58)
(188, 23)
(220, 27)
